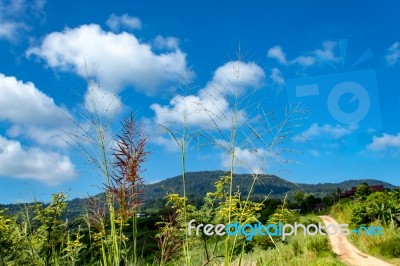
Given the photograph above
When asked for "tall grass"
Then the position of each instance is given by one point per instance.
(299, 250)
(246, 127)
(385, 246)
(252, 129)
(118, 161)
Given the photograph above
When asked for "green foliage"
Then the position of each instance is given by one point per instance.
(38, 240)
(359, 216)
(298, 250)
(51, 228)
(270, 206)
(377, 209)
(282, 214)
(199, 183)
(390, 248)
(169, 240)
(382, 206)
(363, 191)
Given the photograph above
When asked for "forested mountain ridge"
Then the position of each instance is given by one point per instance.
(199, 183)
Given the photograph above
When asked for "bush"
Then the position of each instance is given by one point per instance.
(359, 216)
(390, 248)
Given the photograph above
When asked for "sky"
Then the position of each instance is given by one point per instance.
(315, 87)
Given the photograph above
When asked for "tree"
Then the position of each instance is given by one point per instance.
(363, 191)
(299, 198)
(338, 192)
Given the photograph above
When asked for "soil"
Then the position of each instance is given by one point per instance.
(347, 252)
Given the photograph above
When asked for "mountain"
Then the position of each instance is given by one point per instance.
(199, 183)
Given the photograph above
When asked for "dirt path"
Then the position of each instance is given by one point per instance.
(347, 252)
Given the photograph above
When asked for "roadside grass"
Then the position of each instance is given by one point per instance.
(385, 247)
(298, 250)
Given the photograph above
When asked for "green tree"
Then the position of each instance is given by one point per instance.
(363, 191)
(51, 225)
(299, 198)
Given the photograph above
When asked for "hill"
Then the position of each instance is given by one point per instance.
(199, 183)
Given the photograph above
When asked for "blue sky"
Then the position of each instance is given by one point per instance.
(339, 59)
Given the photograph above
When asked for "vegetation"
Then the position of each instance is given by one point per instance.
(38, 233)
(199, 183)
(368, 208)
(116, 228)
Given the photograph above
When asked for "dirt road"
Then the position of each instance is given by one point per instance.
(347, 252)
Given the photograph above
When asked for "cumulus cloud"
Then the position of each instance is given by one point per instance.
(23, 103)
(34, 163)
(212, 102)
(166, 43)
(310, 58)
(32, 113)
(117, 23)
(327, 52)
(277, 53)
(105, 103)
(249, 160)
(305, 61)
(277, 77)
(393, 54)
(45, 136)
(387, 141)
(328, 131)
(16, 15)
(10, 30)
(156, 136)
(118, 60)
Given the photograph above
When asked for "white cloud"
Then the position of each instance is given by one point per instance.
(15, 17)
(23, 103)
(327, 52)
(34, 163)
(156, 135)
(277, 53)
(45, 136)
(277, 77)
(305, 61)
(166, 43)
(249, 160)
(118, 60)
(328, 131)
(212, 101)
(10, 30)
(310, 58)
(32, 113)
(393, 54)
(105, 103)
(117, 23)
(384, 142)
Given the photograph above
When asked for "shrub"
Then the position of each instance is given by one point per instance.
(390, 248)
(359, 216)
